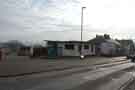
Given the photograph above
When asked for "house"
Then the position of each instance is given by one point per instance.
(127, 47)
(69, 48)
(105, 46)
(97, 42)
(110, 48)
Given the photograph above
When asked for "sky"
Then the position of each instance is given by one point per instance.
(38, 20)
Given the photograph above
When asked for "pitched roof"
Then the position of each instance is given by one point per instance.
(113, 41)
(97, 40)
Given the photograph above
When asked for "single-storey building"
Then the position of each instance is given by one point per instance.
(38, 51)
(33, 51)
(70, 48)
(24, 51)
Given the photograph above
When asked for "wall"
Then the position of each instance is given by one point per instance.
(67, 52)
(88, 51)
(75, 52)
(107, 49)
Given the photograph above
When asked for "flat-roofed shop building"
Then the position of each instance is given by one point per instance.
(70, 48)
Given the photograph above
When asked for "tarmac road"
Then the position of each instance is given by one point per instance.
(102, 78)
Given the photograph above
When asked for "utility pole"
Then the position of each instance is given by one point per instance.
(81, 55)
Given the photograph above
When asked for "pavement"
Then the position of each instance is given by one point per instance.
(14, 66)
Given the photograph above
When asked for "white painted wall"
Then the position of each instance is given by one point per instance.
(68, 52)
(88, 51)
(75, 52)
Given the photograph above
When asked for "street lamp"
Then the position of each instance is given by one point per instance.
(81, 55)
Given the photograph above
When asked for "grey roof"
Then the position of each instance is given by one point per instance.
(113, 41)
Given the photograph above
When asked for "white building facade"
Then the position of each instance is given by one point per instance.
(72, 48)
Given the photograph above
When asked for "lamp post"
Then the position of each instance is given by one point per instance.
(81, 55)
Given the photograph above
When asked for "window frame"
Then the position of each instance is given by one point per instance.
(86, 46)
(69, 46)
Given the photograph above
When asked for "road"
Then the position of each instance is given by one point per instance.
(99, 77)
(130, 85)
(21, 65)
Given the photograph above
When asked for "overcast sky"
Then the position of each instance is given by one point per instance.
(37, 20)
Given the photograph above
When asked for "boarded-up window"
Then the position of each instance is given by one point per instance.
(86, 46)
(69, 46)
